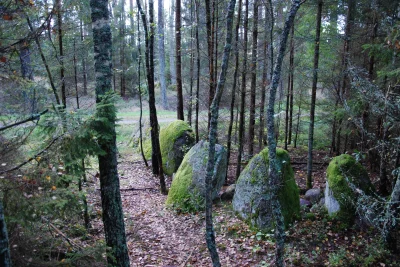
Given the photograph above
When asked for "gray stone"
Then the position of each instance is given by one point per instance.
(251, 200)
(313, 195)
(188, 188)
(331, 204)
(229, 192)
(304, 202)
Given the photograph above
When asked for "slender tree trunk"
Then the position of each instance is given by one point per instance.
(25, 59)
(156, 159)
(210, 38)
(243, 92)
(172, 65)
(298, 121)
(291, 85)
(210, 235)
(76, 78)
(190, 104)
(161, 54)
(313, 96)
(235, 74)
(49, 75)
(122, 49)
(61, 52)
(113, 217)
(140, 95)
(264, 84)
(287, 112)
(252, 119)
(197, 5)
(84, 71)
(274, 179)
(178, 53)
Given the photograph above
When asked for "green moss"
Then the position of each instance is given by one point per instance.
(168, 136)
(288, 193)
(179, 196)
(340, 168)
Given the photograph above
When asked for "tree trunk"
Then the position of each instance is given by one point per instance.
(49, 75)
(252, 119)
(84, 71)
(264, 84)
(140, 95)
(161, 54)
(61, 52)
(172, 65)
(76, 78)
(291, 63)
(235, 74)
(210, 235)
(313, 96)
(180, 115)
(243, 92)
(210, 38)
(113, 217)
(274, 178)
(190, 102)
(25, 59)
(156, 159)
(198, 70)
(122, 49)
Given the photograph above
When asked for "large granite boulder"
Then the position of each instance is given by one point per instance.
(251, 200)
(176, 139)
(339, 197)
(187, 190)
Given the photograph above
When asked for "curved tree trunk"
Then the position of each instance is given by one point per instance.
(210, 235)
(274, 178)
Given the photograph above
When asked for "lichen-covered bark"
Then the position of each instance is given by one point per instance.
(113, 217)
(210, 236)
(274, 178)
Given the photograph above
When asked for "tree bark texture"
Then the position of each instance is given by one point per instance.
(313, 96)
(156, 159)
(197, 5)
(161, 54)
(274, 178)
(243, 92)
(61, 52)
(179, 93)
(235, 78)
(113, 217)
(252, 119)
(210, 235)
(210, 45)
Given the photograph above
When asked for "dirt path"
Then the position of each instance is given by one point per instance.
(158, 236)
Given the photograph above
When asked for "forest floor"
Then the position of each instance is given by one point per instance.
(158, 236)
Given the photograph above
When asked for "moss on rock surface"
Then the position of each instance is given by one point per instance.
(340, 169)
(176, 139)
(251, 200)
(188, 189)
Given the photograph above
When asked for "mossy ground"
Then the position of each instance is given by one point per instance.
(340, 168)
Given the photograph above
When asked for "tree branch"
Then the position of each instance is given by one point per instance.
(31, 118)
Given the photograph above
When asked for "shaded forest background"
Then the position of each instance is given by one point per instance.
(342, 98)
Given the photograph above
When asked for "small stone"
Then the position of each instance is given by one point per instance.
(304, 202)
(313, 195)
(229, 192)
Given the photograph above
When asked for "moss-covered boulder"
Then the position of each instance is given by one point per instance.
(251, 200)
(339, 197)
(176, 139)
(188, 189)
